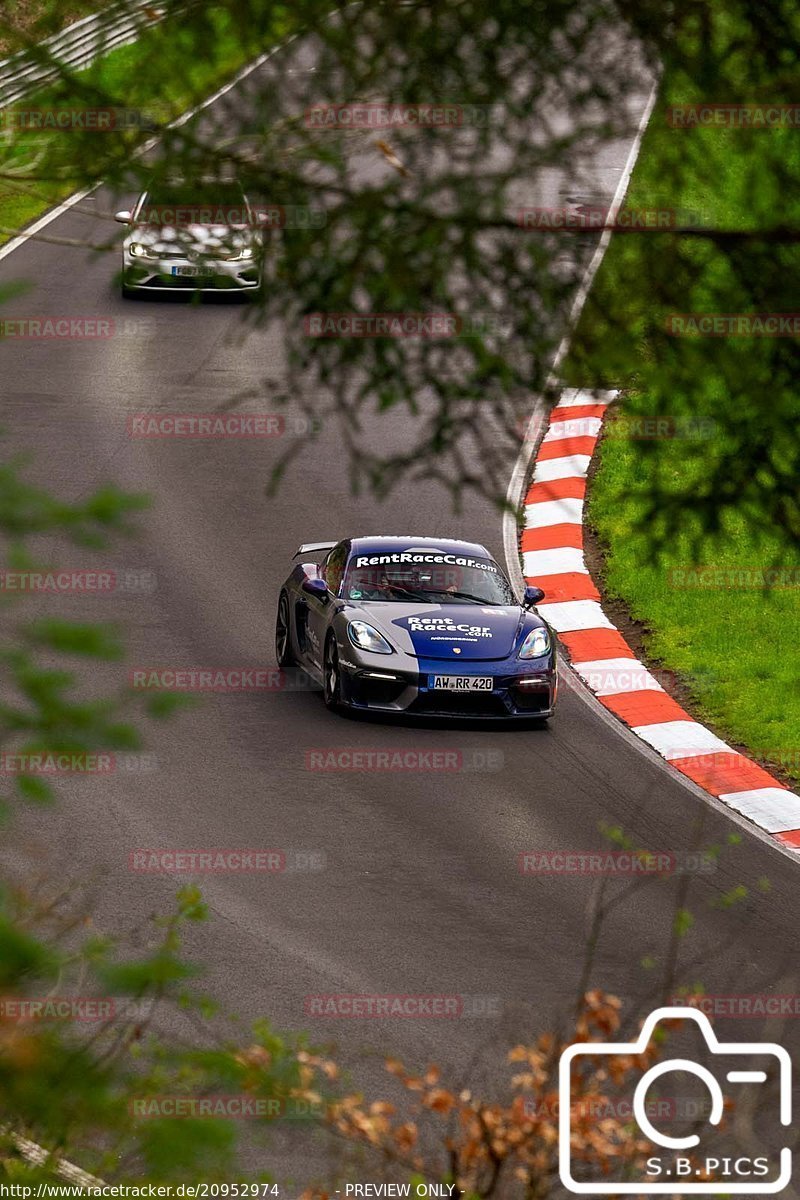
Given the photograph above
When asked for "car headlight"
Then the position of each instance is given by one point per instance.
(364, 637)
(242, 253)
(139, 250)
(536, 644)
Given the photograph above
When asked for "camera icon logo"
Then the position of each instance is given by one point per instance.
(672, 1171)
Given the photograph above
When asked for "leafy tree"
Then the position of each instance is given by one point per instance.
(431, 220)
(68, 1089)
(414, 221)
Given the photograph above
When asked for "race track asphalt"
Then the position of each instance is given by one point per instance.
(420, 891)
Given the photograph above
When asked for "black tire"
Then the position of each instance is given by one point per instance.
(332, 684)
(283, 634)
(129, 293)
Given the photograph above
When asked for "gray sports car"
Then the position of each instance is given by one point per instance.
(417, 626)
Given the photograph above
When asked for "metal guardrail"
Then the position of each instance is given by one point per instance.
(37, 1156)
(76, 46)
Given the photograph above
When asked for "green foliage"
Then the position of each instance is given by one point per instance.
(733, 896)
(682, 922)
(166, 71)
(71, 1084)
(194, 1147)
(724, 493)
(91, 641)
(26, 510)
(22, 956)
(432, 224)
(430, 227)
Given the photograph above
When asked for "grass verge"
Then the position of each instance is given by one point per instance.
(39, 19)
(671, 488)
(168, 70)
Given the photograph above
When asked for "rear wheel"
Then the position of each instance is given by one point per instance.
(332, 688)
(283, 634)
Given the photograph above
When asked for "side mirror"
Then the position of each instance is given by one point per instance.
(124, 217)
(316, 587)
(532, 597)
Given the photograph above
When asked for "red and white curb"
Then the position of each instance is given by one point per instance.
(552, 558)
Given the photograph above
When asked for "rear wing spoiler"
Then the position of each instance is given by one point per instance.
(313, 548)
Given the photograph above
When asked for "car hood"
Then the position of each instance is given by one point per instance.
(199, 239)
(449, 632)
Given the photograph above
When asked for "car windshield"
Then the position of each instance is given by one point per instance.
(204, 204)
(453, 582)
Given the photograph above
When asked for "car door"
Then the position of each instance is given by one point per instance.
(320, 608)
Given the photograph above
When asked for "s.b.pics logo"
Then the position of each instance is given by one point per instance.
(755, 1075)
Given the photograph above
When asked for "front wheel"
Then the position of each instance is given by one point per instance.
(283, 634)
(332, 687)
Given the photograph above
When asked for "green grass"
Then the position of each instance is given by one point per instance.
(737, 649)
(662, 504)
(39, 19)
(167, 71)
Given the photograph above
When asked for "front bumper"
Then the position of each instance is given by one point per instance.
(522, 692)
(155, 275)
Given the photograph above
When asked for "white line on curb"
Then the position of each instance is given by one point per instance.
(600, 656)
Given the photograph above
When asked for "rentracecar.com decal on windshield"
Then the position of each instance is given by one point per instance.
(451, 560)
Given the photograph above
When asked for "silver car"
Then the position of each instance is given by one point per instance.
(180, 239)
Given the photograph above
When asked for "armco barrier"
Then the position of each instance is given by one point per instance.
(75, 47)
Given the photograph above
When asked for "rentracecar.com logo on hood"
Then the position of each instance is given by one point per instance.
(474, 633)
(446, 625)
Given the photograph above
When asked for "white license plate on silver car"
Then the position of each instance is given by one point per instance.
(461, 683)
(192, 271)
